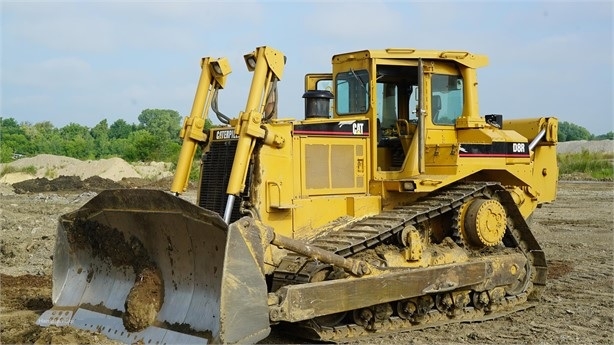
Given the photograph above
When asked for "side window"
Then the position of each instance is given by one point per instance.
(446, 98)
(324, 85)
(352, 92)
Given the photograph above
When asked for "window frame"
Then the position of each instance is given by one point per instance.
(366, 85)
(459, 95)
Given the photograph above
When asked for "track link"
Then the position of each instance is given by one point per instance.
(373, 231)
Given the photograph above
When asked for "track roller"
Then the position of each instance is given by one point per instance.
(370, 317)
(452, 302)
(480, 299)
(415, 309)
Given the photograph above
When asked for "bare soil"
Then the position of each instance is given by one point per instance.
(576, 233)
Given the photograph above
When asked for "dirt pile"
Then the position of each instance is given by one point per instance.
(49, 173)
(52, 166)
(64, 183)
(584, 145)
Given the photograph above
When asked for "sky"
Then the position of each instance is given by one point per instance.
(84, 61)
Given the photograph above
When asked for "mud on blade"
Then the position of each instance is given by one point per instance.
(146, 265)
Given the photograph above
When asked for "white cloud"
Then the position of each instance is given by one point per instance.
(116, 27)
(60, 26)
(356, 21)
(29, 99)
(53, 73)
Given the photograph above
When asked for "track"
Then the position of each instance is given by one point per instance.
(385, 228)
(395, 324)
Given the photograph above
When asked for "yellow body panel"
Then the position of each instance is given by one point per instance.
(323, 175)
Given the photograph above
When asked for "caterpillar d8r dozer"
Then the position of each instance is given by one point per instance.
(392, 206)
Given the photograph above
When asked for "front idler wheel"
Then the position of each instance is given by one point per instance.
(522, 284)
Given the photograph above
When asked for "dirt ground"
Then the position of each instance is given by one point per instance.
(576, 233)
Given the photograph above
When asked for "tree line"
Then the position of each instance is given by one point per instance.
(570, 131)
(154, 138)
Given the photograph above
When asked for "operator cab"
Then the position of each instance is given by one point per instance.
(394, 89)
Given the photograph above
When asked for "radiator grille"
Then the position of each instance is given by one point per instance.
(217, 164)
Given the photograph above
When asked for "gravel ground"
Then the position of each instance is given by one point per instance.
(576, 233)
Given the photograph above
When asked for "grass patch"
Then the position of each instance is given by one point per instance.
(195, 171)
(9, 169)
(598, 165)
(51, 174)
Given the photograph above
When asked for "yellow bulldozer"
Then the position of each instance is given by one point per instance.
(392, 205)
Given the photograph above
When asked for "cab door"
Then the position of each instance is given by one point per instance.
(444, 105)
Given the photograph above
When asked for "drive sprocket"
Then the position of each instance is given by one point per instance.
(481, 222)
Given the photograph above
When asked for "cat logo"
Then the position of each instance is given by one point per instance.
(358, 128)
(228, 134)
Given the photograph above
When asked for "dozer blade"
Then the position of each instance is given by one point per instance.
(144, 265)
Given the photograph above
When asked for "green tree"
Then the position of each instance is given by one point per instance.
(120, 148)
(45, 138)
(569, 131)
(608, 135)
(72, 130)
(120, 129)
(10, 126)
(155, 138)
(208, 124)
(100, 133)
(77, 141)
(79, 147)
(142, 146)
(13, 140)
(163, 123)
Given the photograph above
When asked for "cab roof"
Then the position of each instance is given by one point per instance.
(461, 57)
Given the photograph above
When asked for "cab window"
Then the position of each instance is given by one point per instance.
(352, 92)
(446, 98)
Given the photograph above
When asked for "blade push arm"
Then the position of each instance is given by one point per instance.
(212, 78)
(267, 65)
